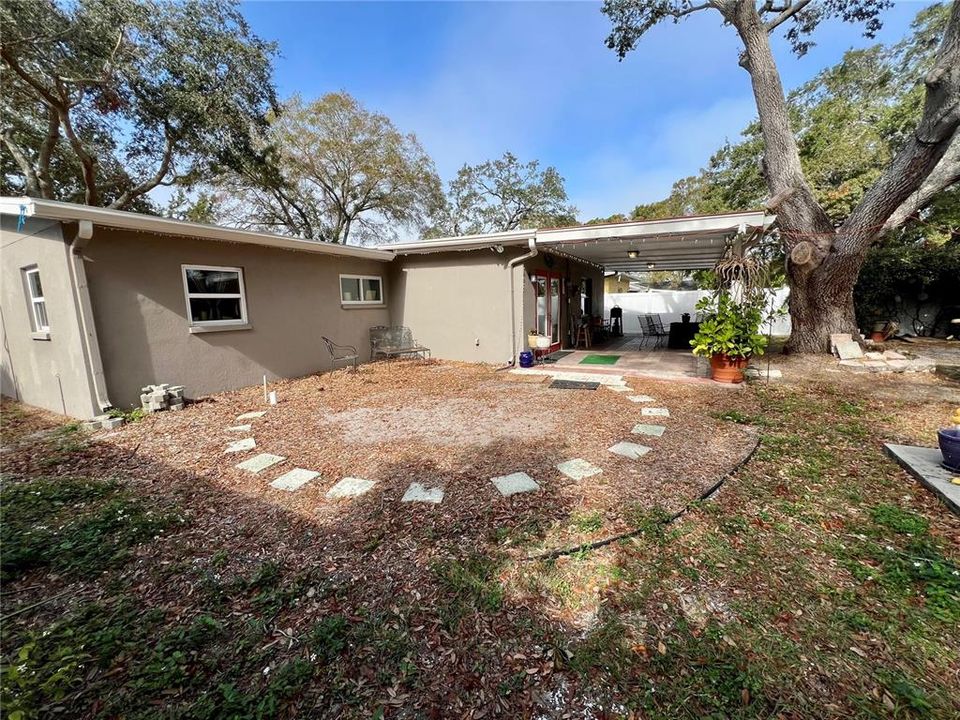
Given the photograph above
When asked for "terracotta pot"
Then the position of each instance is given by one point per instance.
(727, 369)
(878, 337)
(949, 440)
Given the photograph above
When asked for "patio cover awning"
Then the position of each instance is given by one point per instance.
(684, 243)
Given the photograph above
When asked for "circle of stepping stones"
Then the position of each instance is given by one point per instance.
(578, 469)
(518, 482)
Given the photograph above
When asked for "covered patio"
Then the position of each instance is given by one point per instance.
(554, 283)
(660, 349)
(629, 356)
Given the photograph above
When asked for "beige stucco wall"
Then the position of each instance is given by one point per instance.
(456, 303)
(48, 373)
(292, 298)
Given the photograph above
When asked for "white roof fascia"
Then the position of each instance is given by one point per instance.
(465, 242)
(655, 228)
(106, 217)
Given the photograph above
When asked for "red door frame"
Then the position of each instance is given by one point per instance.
(547, 277)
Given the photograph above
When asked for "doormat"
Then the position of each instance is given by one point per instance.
(554, 356)
(600, 360)
(573, 385)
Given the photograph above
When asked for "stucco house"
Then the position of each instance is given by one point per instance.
(97, 303)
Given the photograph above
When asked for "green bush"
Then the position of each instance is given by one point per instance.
(730, 327)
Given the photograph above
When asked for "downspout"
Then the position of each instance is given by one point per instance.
(91, 347)
(532, 242)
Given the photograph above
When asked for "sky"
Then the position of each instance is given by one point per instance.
(475, 79)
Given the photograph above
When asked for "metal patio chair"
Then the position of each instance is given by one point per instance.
(341, 353)
(655, 329)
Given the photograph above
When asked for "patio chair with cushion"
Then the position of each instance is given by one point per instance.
(341, 353)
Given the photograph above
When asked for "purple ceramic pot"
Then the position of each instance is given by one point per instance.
(949, 439)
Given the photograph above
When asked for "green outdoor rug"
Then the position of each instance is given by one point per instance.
(600, 360)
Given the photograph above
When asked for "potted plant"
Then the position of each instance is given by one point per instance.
(949, 440)
(729, 335)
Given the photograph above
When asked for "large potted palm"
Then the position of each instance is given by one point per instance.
(729, 335)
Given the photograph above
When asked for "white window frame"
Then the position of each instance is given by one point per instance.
(361, 278)
(36, 300)
(214, 296)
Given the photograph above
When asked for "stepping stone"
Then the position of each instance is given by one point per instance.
(239, 428)
(630, 450)
(640, 398)
(661, 412)
(260, 462)
(849, 350)
(350, 487)
(578, 469)
(518, 482)
(420, 493)
(294, 480)
(252, 415)
(620, 388)
(241, 445)
(642, 429)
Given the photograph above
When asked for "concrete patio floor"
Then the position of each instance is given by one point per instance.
(636, 361)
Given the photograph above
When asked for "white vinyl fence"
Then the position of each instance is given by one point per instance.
(671, 304)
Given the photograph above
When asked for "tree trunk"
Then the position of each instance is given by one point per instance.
(821, 287)
(821, 303)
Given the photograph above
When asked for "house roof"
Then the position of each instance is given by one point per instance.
(105, 217)
(681, 243)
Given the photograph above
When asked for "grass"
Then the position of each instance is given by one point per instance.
(76, 526)
(819, 583)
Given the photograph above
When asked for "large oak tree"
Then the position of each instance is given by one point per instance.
(503, 194)
(334, 171)
(824, 254)
(105, 100)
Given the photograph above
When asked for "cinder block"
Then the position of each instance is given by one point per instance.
(112, 423)
(92, 425)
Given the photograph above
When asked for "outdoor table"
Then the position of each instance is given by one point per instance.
(681, 334)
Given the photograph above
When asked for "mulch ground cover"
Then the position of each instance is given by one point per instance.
(452, 426)
(154, 580)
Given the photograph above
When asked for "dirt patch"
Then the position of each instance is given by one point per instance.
(450, 422)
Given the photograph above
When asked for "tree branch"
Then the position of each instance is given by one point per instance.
(152, 182)
(26, 167)
(44, 92)
(46, 151)
(933, 138)
(677, 14)
(788, 12)
(945, 174)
